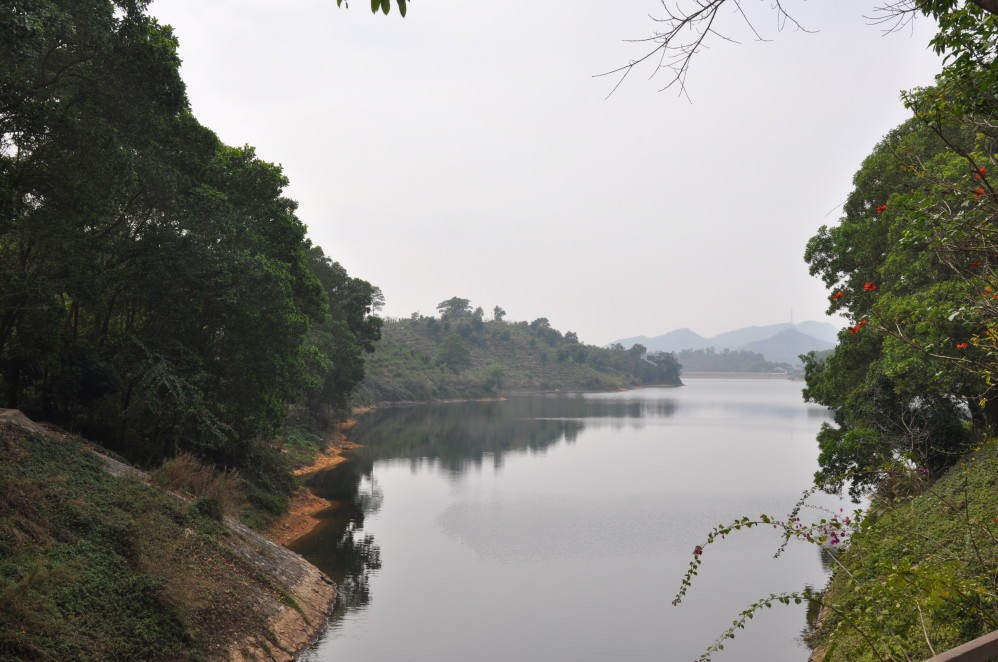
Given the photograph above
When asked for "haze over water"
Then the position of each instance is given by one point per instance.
(558, 527)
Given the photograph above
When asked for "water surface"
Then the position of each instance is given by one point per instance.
(558, 527)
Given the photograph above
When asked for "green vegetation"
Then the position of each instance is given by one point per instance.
(460, 355)
(97, 567)
(912, 263)
(920, 576)
(157, 291)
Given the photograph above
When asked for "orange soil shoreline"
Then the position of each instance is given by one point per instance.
(302, 516)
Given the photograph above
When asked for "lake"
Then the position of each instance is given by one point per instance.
(558, 527)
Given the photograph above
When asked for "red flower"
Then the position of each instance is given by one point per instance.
(961, 345)
(838, 294)
(870, 287)
(982, 171)
(976, 264)
(881, 209)
(988, 290)
(979, 193)
(859, 326)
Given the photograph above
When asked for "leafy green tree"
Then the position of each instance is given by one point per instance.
(453, 353)
(340, 340)
(495, 377)
(898, 382)
(454, 308)
(498, 314)
(156, 287)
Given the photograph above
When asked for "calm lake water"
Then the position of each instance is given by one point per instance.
(558, 527)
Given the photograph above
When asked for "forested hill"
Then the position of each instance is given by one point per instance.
(157, 291)
(463, 355)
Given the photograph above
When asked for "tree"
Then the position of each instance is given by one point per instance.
(453, 354)
(341, 339)
(156, 287)
(498, 314)
(454, 308)
(902, 375)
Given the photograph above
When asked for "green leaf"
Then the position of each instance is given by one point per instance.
(386, 6)
(375, 6)
(402, 7)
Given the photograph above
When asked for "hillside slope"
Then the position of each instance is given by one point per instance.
(921, 575)
(97, 564)
(429, 359)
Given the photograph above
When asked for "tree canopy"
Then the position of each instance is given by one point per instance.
(912, 264)
(157, 291)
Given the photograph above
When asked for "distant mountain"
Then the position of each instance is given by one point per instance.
(673, 341)
(820, 330)
(787, 345)
(781, 343)
(749, 334)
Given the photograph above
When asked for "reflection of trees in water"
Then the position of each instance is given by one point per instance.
(828, 556)
(461, 436)
(457, 437)
(359, 556)
(338, 545)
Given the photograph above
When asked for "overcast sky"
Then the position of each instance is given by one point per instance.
(467, 150)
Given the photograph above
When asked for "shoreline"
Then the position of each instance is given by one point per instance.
(304, 508)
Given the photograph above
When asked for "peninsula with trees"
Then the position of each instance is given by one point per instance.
(462, 353)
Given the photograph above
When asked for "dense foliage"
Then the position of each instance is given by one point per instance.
(912, 264)
(157, 291)
(897, 381)
(462, 355)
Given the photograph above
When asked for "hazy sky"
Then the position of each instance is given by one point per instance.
(466, 150)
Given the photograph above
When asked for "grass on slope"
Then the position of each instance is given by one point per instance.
(921, 576)
(96, 567)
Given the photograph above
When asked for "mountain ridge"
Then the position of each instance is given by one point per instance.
(781, 342)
